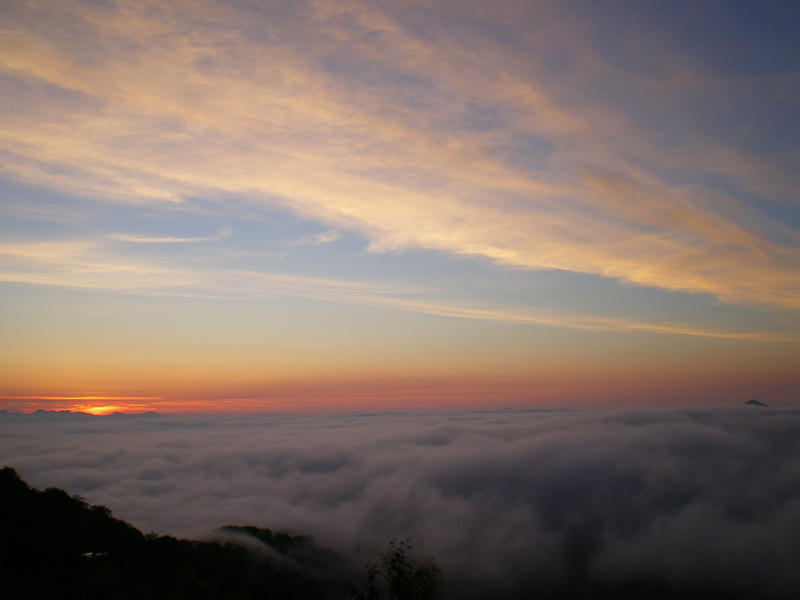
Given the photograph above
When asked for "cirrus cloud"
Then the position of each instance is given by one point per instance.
(427, 134)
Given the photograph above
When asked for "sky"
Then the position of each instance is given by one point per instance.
(250, 206)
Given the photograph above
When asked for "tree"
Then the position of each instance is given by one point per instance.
(400, 576)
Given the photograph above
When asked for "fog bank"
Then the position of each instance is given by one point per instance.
(510, 498)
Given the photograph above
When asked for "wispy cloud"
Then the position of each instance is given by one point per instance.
(528, 316)
(362, 122)
(325, 237)
(147, 239)
(95, 266)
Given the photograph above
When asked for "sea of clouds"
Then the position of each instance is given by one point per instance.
(511, 500)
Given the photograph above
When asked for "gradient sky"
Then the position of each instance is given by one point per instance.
(241, 205)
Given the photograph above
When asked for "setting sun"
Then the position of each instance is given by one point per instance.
(97, 410)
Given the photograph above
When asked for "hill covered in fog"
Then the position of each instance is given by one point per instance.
(57, 546)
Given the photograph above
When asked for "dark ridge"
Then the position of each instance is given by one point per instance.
(53, 545)
(297, 550)
(147, 414)
(282, 542)
(67, 413)
(755, 403)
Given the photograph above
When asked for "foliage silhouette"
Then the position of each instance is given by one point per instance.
(398, 575)
(53, 545)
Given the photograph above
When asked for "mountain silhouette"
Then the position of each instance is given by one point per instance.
(755, 403)
(53, 545)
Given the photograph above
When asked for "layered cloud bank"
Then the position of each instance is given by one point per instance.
(514, 500)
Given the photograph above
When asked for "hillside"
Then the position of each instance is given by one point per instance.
(58, 546)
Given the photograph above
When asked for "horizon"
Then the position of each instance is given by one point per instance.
(106, 411)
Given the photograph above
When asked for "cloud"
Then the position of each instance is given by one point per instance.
(87, 264)
(93, 265)
(403, 129)
(223, 233)
(518, 501)
(554, 318)
(326, 237)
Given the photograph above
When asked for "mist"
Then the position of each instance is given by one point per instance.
(511, 500)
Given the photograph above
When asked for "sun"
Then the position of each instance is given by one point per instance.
(101, 410)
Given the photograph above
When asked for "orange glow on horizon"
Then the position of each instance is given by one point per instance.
(90, 404)
(580, 390)
(98, 410)
(88, 398)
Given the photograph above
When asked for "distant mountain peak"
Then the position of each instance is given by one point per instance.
(755, 403)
